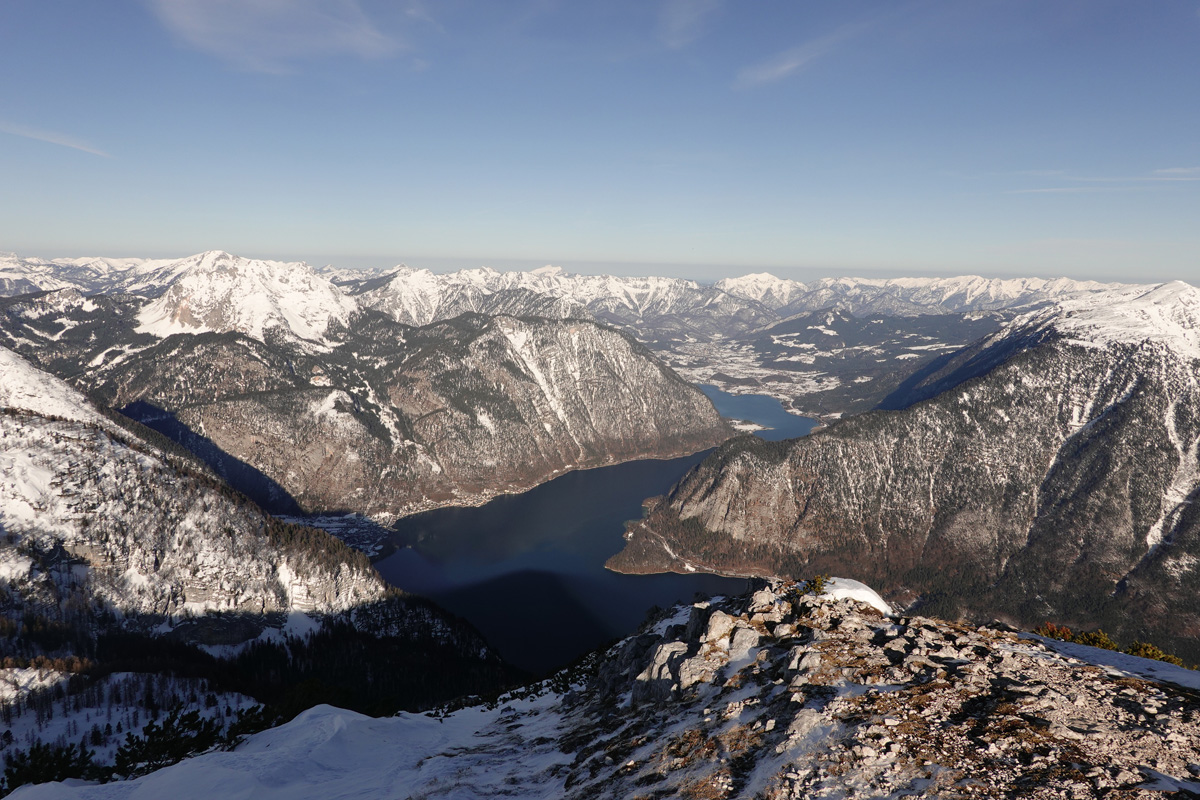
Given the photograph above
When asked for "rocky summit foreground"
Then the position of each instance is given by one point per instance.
(779, 694)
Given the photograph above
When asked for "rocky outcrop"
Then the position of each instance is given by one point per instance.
(779, 694)
(784, 694)
(1049, 476)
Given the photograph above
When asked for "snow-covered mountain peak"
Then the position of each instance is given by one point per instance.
(762, 287)
(216, 291)
(1168, 313)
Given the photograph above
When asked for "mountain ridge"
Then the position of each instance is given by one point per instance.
(1047, 472)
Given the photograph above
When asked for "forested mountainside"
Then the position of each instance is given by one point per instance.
(379, 418)
(1048, 473)
(785, 693)
(119, 556)
(99, 523)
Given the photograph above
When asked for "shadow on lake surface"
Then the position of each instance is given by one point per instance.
(528, 570)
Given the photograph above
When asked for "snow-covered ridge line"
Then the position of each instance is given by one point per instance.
(25, 387)
(149, 275)
(959, 293)
(89, 274)
(1168, 314)
(219, 292)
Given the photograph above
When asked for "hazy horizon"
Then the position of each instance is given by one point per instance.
(702, 273)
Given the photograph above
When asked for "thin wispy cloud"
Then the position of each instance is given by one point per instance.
(272, 35)
(1175, 173)
(51, 137)
(1158, 176)
(791, 61)
(1083, 184)
(1075, 189)
(681, 22)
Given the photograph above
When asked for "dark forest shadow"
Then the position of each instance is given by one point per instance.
(244, 478)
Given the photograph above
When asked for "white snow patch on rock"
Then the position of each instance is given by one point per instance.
(847, 588)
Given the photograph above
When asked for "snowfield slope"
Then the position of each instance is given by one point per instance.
(1050, 473)
(779, 694)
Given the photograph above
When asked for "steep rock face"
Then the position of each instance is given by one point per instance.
(779, 694)
(395, 419)
(1049, 476)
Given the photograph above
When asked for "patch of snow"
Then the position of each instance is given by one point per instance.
(327, 752)
(1123, 664)
(847, 588)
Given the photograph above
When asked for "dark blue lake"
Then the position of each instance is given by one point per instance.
(761, 409)
(528, 570)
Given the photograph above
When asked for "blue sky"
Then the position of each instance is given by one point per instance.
(690, 137)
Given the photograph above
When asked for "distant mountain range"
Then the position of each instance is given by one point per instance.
(662, 308)
(717, 334)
